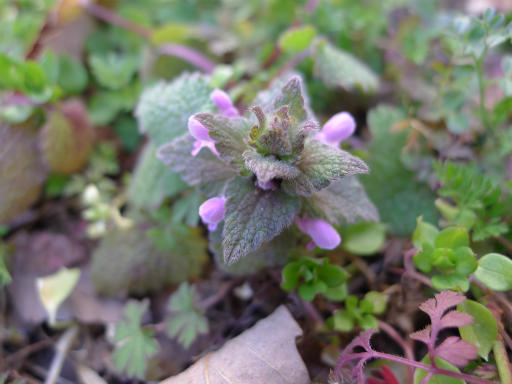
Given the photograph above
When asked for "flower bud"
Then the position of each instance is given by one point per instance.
(202, 136)
(212, 212)
(337, 129)
(321, 232)
(224, 103)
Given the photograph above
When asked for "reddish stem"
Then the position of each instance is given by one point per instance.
(177, 50)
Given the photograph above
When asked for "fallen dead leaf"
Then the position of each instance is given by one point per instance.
(265, 353)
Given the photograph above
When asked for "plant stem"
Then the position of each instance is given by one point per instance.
(500, 354)
(183, 52)
(403, 344)
(412, 363)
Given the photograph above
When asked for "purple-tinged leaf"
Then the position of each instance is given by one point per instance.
(440, 303)
(291, 95)
(457, 351)
(455, 319)
(423, 335)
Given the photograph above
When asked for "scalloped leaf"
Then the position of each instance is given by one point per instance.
(292, 96)
(164, 108)
(229, 135)
(204, 168)
(343, 201)
(153, 181)
(399, 198)
(320, 165)
(267, 168)
(254, 217)
(338, 68)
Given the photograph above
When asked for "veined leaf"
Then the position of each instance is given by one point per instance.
(254, 217)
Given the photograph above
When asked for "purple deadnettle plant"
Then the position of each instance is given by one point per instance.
(271, 167)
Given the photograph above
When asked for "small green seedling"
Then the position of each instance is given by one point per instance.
(314, 276)
(359, 312)
(445, 255)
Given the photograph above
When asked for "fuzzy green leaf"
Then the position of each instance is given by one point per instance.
(134, 345)
(338, 68)
(343, 201)
(153, 181)
(204, 168)
(399, 198)
(291, 95)
(113, 70)
(229, 135)
(267, 168)
(320, 165)
(254, 217)
(186, 321)
(164, 108)
(296, 39)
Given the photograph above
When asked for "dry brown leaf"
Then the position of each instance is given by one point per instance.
(265, 353)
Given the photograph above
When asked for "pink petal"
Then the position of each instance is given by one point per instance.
(212, 211)
(322, 233)
(337, 129)
(198, 130)
(221, 99)
(230, 112)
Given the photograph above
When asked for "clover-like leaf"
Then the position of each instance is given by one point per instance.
(253, 217)
(134, 345)
(322, 164)
(186, 320)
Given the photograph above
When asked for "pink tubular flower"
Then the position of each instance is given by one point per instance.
(337, 129)
(212, 212)
(202, 136)
(222, 100)
(322, 233)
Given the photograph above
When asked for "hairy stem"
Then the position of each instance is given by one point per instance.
(365, 356)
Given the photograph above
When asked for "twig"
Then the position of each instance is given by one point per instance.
(61, 350)
(25, 351)
(500, 355)
(505, 242)
(312, 312)
(216, 298)
(183, 52)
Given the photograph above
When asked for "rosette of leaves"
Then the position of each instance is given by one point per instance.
(314, 276)
(270, 166)
(445, 255)
(360, 312)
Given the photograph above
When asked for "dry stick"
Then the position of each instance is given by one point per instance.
(183, 52)
(25, 351)
(61, 350)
